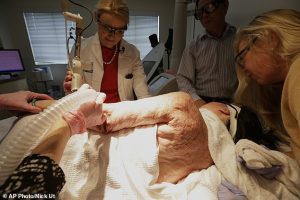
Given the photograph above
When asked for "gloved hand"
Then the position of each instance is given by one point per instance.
(227, 191)
(87, 115)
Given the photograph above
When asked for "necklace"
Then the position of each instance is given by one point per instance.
(112, 58)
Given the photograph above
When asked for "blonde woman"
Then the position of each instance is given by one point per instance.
(268, 56)
(115, 66)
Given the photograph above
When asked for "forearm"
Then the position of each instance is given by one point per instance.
(3, 102)
(53, 144)
(148, 111)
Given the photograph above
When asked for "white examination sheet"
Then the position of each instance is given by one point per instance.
(125, 166)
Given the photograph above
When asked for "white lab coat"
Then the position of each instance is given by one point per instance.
(131, 76)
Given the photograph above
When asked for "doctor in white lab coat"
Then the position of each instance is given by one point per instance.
(110, 64)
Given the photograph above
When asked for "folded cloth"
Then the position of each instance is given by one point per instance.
(227, 191)
(265, 161)
(267, 172)
(224, 154)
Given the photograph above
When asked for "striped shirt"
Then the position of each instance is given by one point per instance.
(207, 66)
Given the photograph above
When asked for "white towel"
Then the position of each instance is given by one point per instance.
(125, 166)
(257, 157)
(224, 153)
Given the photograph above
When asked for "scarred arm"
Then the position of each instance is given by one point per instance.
(148, 111)
(181, 133)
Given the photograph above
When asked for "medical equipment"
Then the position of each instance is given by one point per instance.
(152, 61)
(11, 61)
(162, 84)
(14, 147)
(42, 75)
(76, 66)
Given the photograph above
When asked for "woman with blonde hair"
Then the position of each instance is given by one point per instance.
(268, 56)
(115, 65)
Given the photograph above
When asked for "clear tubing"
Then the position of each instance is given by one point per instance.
(19, 143)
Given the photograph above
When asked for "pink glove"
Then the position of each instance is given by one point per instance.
(86, 116)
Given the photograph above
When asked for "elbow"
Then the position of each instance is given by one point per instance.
(183, 100)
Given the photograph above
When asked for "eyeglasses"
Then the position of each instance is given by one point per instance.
(231, 124)
(239, 58)
(111, 30)
(207, 8)
(227, 124)
(234, 107)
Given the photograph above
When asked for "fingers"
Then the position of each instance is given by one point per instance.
(32, 109)
(67, 82)
(42, 96)
(68, 76)
(100, 98)
(84, 87)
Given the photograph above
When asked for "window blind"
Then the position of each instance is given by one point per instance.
(47, 35)
(139, 30)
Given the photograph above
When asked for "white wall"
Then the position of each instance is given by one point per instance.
(241, 12)
(13, 32)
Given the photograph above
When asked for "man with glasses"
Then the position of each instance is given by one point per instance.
(207, 67)
(110, 64)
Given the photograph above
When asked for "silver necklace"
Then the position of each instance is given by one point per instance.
(112, 58)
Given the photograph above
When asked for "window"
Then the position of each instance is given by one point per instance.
(47, 35)
(139, 30)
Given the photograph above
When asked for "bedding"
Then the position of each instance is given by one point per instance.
(124, 165)
(286, 185)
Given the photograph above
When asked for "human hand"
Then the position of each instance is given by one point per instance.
(21, 101)
(228, 191)
(88, 115)
(67, 82)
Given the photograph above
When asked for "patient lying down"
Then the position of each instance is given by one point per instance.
(181, 131)
(170, 129)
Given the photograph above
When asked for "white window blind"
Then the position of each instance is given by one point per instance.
(139, 30)
(47, 35)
